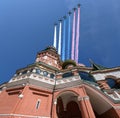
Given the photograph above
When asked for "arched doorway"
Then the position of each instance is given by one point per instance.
(73, 110)
(68, 106)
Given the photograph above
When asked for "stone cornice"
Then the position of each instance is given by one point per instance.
(106, 70)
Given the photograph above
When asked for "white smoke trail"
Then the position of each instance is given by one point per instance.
(59, 43)
(77, 35)
(73, 36)
(55, 36)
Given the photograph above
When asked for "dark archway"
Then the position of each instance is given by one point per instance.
(60, 108)
(68, 105)
(73, 110)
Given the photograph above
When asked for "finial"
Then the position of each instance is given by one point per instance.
(74, 9)
(60, 20)
(79, 5)
(64, 17)
(69, 12)
(55, 24)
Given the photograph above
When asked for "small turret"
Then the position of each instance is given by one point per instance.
(50, 57)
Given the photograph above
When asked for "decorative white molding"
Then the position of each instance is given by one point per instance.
(102, 76)
(80, 98)
(83, 98)
(55, 101)
(67, 80)
(116, 107)
(21, 96)
(86, 97)
(21, 115)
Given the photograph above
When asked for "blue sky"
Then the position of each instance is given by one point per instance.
(26, 27)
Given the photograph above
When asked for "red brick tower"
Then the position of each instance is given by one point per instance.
(50, 88)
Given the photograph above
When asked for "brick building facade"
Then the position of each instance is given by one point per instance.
(50, 88)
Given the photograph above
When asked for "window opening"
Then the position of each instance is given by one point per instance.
(38, 104)
(24, 72)
(52, 75)
(45, 73)
(86, 76)
(67, 74)
(38, 71)
(111, 82)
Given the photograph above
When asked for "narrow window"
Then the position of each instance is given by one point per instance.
(38, 104)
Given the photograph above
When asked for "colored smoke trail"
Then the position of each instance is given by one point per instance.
(73, 35)
(69, 36)
(64, 38)
(55, 36)
(60, 33)
(77, 35)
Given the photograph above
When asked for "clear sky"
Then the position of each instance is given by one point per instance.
(26, 27)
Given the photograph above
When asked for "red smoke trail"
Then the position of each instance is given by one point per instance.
(73, 34)
(77, 35)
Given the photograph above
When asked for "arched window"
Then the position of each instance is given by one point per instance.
(112, 83)
(38, 71)
(68, 74)
(52, 75)
(45, 73)
(86, 76)
(24, 72)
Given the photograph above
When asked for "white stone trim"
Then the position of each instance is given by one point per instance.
(83, 98)
(86, 97)
(21, 115)
(67, 80)
(80, 98)
(102, 76)
(116, 107)
(34, 76)
(55, 101)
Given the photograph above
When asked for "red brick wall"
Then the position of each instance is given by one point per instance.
(11, 103)
(109, 114)
(8, 101)
(27, 105)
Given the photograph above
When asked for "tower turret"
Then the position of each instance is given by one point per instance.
(50, 57)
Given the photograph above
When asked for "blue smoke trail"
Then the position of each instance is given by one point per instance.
(64, 38)
(69, 36)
